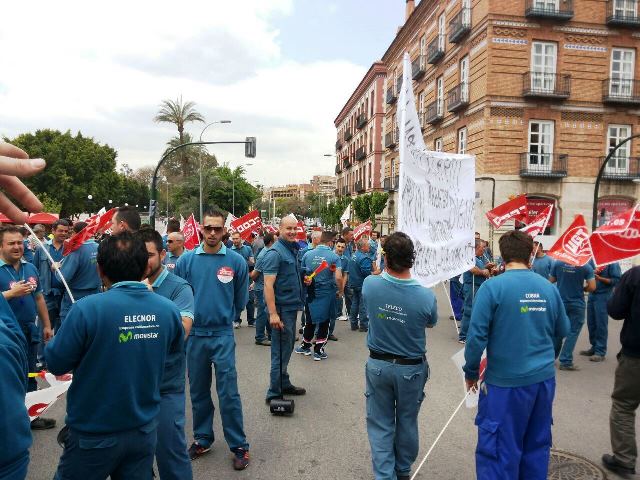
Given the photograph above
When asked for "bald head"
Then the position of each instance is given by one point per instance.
(175, 243)
(288, 226)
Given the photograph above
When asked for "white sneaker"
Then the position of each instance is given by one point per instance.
(236, 325)
(343, 318)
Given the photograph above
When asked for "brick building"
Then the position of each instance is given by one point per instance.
(538, 90)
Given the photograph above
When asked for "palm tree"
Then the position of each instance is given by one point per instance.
(179, 113)
(174, 166)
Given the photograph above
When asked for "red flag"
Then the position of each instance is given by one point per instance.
(573, 246)
(247, 224)
(301, 234)
(539, 224)
(617, 239)
(270, 229)
(96, 224)
(513, 209)
(362, 229)
(190, 233)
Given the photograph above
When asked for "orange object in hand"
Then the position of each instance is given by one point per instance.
(319, 268)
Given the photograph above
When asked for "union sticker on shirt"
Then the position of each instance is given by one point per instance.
(33, 281)
(225, 274)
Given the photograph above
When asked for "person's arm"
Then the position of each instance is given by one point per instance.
(480, 272)
(185, 303)
(270, 301)
(433, 316)
(562, 325)
(590, 279)
(65, 350)
(478, 335)
(70, 265)
(338, 275)
(17, 290)
(241, 287)
(619, 305)
(43, 316)
(614, 273)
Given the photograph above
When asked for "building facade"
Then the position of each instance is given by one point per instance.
(324, 185)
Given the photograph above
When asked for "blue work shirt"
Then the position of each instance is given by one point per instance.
(611, 271)
(170, 261)
(259, 281)
(325, 281)
(360, 267)
(24, 308)
(373, 248)
(244, 251)
(116, 343)
(570, 280)
(80, 268)
(399, 310)
(516, 317)
(28, 253)
(180, 293)
(542, 266)
(469, 278)
(48, 279)
(220, 284)
(281, 260)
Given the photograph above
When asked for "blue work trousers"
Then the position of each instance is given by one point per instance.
(172, 456)
(251, 309)
(219, 351)
(338, 312)
(288, 338)
(394, 394)
(358, 309)
(17, 469)
(123, 455)
(514, 431)
(348, 297)
(32, 337)
(598, 322)
(53, 302)
(469, 296)
(457, 297)
(263, 327)
(575, 312)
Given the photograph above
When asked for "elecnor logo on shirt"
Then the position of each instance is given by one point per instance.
(225, 274)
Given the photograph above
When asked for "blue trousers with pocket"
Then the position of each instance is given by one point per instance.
(172, 456)
(394, 394)
(469, 296)
(32, 336)
(457, 297)
(288, 338)
(220, 351)
(514, 431)
(575, 312)
(263, 328)
(123, 455)
(17, 469)
(598, 322)
(358, 311)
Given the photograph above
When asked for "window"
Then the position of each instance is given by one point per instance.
(543, 66)
(371, 139)
(547, 5)
(464, 79)
(441, 30)
(619, 163)
(466, 8)
(437, 144)
(423, 45)
(421, 108)
(540, 145)
(624, 8)
(622, 66)
(462, 140)
(440, 96)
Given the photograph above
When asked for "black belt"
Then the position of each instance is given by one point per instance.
(388, 357)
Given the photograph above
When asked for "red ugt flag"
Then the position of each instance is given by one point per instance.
(190, 233)
(362, 229)
(618, 239)
(573, 246)
(538, 225)
(247, 224)
(96, 224)
(513, 209)
(301, 234)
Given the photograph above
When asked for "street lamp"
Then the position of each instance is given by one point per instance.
(233, 190)
(200, 160)
(89, 198)
(166, 180)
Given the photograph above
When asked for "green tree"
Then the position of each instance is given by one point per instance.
(49, 204)
(173, 166)
(366, 207)
(331, 214)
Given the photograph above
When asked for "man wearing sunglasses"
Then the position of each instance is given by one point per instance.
(220, 282)
(175, 247)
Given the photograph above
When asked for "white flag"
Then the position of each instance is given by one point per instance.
(227, 223)
(539, 224)
(346, 215)
(182, 222)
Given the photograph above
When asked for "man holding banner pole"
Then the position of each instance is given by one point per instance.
(473, 279)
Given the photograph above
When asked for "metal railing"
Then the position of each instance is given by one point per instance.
(435, 112)
(544, 84)
(391, 139)
(623, 13)
(348, 135)
(359, 187)
(419, 67)
(361, 153)
(391, 96)
(435, 51)
(543, 165)
(458, 97)
(390, 184)
(460, 25)
(618, 90)
(621, 168)
(361, 121)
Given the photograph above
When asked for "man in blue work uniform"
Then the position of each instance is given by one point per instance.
(597, 317)
(360, 267)
(541, 263)
(315, 241)
(116, 345)
(245, 252)
(26, 244)
(126, 219)
(570, 281)
(173, 226)
(321, 295)
(80, 271)
(175, 249)
(220, 281)
(172, 456)
(263, 329)
(350, 248)
(400, 310)
(517, 317)
(339, 248)
(20, 286)
(473, 279)
(283, 298)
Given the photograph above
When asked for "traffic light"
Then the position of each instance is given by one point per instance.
(250, 147)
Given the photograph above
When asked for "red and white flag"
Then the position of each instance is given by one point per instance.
(95, 224)
(247, 224)
(618, 239)
(362, 229)
(228, 221)
(539, 224)
(271, 229)
(573, 247)
(513, 209)
(301, 233)
(190, 233)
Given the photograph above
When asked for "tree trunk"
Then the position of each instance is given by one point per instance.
(183, 157)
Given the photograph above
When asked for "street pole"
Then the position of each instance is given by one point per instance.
(233, 194)
(596, 190)
(200, 162)
(167, 201)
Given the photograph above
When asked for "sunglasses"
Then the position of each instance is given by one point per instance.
(209, 229)
(170, 241)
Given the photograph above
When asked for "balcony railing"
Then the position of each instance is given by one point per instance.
(543, 165)
(346, 162)
(419, 67)
(390, 184)
(391, 96)
(460, 25)
(361, 153)
(558, 10)
(435, 51)
(421, 119)
(359, 186)
(623, 13)
(345, 190)
(543, 84)
(338, 145)
(621, 168)
(435, 112)
(361, 121)
(348, 135)
(338, 169)
(399, 84)
(391, 139)
(617, 90)
(458, 97)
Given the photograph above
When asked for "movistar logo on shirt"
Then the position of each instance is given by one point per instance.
(524, 309)
(125, 337)
(382, 316)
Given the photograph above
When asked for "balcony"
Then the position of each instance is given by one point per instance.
(399, 84)
(460, 25)
(622, 169)
(418, 67)
(458, 97)
(623, 13)
(348, 135)
(338, 169)
(543, 165)
(359, 187)
(391, 96)
(435, 112)
(345, 190)
(361, 154)
(543, 84)
(361, 121)
(391, 139)
(338, 145)
(346, 162)
(558, 10)
(621, 91)
(390, 184)
(435, 51)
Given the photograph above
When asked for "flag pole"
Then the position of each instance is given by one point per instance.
(544, 227)
(455, 322)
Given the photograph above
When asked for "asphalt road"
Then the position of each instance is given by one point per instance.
(326, 437)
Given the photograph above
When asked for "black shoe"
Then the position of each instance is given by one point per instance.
(587, 353)
(196, 450)
(354, 328)
(333, 337)
(300, 330)
(43, 423)
(403, 477)
(363, 329)
(611, 463)
(292, 390)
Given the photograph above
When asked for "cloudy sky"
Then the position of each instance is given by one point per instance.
(280, 70)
